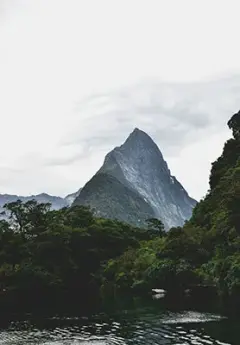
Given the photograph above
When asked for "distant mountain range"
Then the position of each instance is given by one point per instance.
(133, 184)
(56, 201)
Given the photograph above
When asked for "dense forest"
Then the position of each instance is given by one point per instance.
(71, 253)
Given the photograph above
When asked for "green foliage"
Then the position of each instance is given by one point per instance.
(41, 249)
(234, 124)
(155, 226)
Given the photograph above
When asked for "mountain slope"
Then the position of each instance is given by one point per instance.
(111, 199)
(71, 197)
(139, 167)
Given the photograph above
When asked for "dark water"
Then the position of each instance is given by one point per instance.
(140, 325)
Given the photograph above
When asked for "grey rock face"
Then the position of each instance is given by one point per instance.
(110, 198)
(139, 173)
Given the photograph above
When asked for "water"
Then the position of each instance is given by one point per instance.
(137, 326)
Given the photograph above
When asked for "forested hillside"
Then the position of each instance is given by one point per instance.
(46, 253)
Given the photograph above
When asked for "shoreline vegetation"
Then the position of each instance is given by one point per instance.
(68, 256)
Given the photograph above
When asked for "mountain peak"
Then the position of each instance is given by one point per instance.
(138, 132)
(137, 168)
(138, 138)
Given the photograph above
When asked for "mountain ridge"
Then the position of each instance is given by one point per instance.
(139, 166)
(56, 202)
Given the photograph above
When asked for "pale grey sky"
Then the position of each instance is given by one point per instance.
(76, 76)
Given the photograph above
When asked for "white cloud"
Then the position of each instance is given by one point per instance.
(54, 53)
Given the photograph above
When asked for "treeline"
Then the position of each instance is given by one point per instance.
(69, 252)
(45, 252)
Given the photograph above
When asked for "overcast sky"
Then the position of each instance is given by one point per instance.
(76, 77)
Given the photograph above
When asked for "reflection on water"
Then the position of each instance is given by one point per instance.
(125, 327)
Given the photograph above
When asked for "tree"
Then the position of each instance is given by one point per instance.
(234, 124)
(28, 218)
(156, 226)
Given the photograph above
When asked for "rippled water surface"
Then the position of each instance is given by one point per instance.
(137, 326)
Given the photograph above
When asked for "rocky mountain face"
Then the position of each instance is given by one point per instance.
(135, 183)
